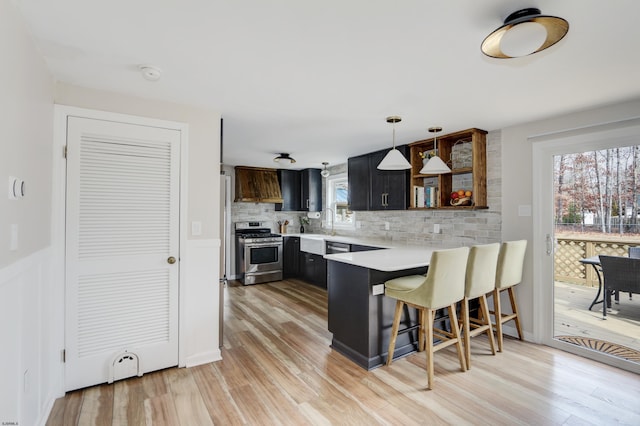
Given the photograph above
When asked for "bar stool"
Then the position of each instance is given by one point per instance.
(442, 287)
(480, 280)
(509, 273)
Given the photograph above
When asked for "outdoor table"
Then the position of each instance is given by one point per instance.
(595, 262)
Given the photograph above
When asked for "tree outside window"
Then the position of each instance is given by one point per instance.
(338, 201)
(598, 191)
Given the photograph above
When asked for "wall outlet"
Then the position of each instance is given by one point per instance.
(436, 228)
(386, 226)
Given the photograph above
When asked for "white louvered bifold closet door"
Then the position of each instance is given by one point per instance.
(122, 230)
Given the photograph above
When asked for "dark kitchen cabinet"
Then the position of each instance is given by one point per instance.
(291, 257)
(360, 315)
(311, 190)
(358, 176)
(373, 189)
(313, 269)
(301, 190)
(291, 189)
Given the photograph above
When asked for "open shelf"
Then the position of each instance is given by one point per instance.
(465, 153)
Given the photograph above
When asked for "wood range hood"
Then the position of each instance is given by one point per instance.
(257, 185)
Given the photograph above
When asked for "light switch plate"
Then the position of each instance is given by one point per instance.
(196, 228)
(13, 245)
(524, 210)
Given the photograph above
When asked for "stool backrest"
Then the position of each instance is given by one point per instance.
(510, 263)
(481, 270)
(444, 284)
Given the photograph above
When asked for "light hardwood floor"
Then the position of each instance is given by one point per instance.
(278, 369)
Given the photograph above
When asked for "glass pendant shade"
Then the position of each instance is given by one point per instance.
(325, 173)
(394, 160)
(435, 166)
(523, 39)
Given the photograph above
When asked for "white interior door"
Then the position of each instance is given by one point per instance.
(122, 234)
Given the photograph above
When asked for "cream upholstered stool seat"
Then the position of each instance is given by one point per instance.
(442, 287)
(480, 280)
(508, 274)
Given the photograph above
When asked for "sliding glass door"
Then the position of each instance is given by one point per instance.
(586, 185)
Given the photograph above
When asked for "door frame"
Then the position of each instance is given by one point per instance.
(58, 207)
(545, 147)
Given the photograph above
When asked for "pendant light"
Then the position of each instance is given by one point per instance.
(524, 32)
(435, 165)
(284, 159)
(325, 173)
(394, 160)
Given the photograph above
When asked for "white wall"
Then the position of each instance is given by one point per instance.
(28, 366)
(517, 185)
(26, 113)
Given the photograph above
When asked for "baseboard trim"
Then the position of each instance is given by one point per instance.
(203, 358)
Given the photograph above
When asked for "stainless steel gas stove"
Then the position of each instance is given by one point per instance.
(258, 253)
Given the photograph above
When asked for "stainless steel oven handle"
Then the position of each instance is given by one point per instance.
(259, 245)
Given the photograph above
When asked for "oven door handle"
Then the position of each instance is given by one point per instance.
(259, 245)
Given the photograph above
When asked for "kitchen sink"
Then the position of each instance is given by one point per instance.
(313, 243)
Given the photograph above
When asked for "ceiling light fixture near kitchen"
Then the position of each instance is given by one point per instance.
(435, 165)
(149, 72)
(325, 173)
(524, 32)
(394, 160)
(284, 159)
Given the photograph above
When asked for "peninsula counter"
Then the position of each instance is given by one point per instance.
(360, 315)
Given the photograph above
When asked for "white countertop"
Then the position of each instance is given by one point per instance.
(345, 239)
(387, 260)
(390, 257)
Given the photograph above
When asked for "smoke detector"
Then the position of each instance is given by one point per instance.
(150, 73)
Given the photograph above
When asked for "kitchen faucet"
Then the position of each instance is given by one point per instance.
(327, 210)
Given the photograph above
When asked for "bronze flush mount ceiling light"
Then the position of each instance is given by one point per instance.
(524, 32)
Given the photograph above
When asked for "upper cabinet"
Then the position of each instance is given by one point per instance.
(358, 176)
(373, 189)
(301, 190)
(466, 154)
(291, 190)
(255, 184)
(311, 190)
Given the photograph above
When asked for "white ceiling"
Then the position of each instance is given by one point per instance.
(316, 79)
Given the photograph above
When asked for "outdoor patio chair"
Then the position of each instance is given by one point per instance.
(634, 253)
(620, 274)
